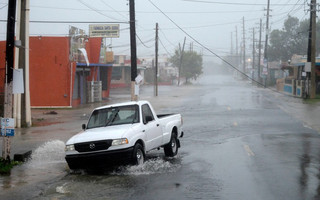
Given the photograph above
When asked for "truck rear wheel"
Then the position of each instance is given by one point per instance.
(138, 155)
(171, 149)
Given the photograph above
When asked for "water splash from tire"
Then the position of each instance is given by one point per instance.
(151, 166)
(48, 153)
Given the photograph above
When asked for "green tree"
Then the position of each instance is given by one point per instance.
(291, 39)
(286, 42)
(191, 67)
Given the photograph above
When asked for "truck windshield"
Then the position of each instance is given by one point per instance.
(114, 116)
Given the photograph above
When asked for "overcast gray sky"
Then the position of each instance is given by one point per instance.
(210, 22)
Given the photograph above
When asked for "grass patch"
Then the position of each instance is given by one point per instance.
(313, 101)
(6, 166)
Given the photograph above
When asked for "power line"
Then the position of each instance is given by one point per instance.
(143, 43)
(209, 25)
(236, 3)
(74, 22)
(206, 48)
(287, 14)
(165, 37)
(113, 9)
(165, 48)
(146, 12)
(94, 9)
(4, 6)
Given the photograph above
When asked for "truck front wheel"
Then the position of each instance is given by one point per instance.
(171, 149)
(138, 155)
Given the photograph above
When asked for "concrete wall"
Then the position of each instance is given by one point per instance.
(52, 75)
(50, 72)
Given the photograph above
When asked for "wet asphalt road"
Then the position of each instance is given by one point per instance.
(238, 144)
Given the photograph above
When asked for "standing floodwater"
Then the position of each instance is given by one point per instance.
(121, 183)
(46, 163)
(240, 142)
(46, 174)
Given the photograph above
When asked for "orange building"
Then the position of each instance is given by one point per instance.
(56, 78)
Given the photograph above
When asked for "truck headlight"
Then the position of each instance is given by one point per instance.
(69, 147)
(120, 141)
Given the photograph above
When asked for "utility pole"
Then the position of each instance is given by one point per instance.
(312, 49)
(133, 46)
(17, 97)
(24, 63)
(231, 48)
(181, 56)
(266, 42)
(156, 64)
(237, 52)
(253, 53)
(9, 74)
(244, 47)
(259, 61)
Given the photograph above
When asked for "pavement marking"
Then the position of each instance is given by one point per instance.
(248, 150)
(228, 108)
(235, 123)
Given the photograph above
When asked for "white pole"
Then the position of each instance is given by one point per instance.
(27, 92)
(71, 89)
(17, 97)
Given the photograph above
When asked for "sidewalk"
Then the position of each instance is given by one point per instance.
(61, 124)
(308, 113)
(167, 96)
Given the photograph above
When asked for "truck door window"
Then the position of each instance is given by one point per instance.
(146, 112)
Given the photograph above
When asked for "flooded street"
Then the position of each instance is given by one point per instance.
(240, 143)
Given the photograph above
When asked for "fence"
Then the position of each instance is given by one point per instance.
(300, 84)
(290, 86)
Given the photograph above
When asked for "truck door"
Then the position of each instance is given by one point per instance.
(152, 128)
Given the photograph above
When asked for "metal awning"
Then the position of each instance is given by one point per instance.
(94, 65)
(303, 63)
(129, 66)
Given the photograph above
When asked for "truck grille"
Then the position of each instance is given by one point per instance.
(93, 146)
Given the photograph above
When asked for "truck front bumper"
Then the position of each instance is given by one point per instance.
(100, 159)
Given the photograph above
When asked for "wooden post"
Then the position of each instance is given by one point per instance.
(133, 47)
(156, 63)
(9, 73)
(313, 49)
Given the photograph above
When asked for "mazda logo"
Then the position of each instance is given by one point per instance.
(92, 146)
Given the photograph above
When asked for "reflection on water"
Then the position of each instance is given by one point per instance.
(120, 183)
(310, 171)
(304, 165)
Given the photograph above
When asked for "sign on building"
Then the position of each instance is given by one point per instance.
(104, 30)
(7, 127)
(77, 41)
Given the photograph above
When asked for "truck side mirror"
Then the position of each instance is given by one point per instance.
(84, 127)
(148, 119)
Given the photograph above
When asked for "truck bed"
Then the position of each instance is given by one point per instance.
(165, 115)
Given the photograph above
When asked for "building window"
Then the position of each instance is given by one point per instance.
(116, 73)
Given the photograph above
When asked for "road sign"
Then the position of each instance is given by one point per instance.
(7, 127)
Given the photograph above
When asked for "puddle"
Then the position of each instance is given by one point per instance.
(46, 163)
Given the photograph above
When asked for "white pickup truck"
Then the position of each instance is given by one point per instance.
(123, 133)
